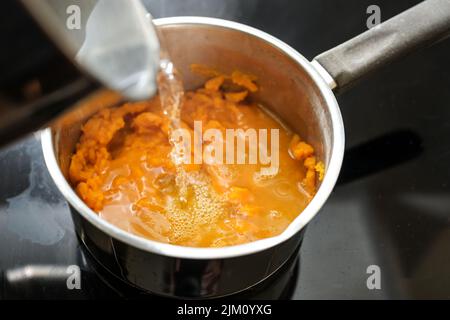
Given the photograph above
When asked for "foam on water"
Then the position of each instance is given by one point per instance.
(203, 207)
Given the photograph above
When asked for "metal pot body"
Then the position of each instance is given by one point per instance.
(290, 88)
(182, 277)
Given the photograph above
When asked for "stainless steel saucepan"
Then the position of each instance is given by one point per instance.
(298, 91)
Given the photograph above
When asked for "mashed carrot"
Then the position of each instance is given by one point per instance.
(122, 169)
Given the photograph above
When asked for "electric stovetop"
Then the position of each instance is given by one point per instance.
(390, 209)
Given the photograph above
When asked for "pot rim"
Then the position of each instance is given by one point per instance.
(177, 251)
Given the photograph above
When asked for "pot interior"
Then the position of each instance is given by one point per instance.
(286, 89)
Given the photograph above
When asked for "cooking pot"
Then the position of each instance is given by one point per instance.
(297, 91)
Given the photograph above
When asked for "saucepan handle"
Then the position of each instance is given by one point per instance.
(420, 26)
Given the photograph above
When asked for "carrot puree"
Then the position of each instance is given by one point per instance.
(122, 169)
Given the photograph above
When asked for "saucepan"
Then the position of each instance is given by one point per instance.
(299, 92)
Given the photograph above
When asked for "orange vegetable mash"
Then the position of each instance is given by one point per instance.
(122, 169)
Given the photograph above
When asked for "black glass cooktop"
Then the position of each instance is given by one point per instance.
(390, 209)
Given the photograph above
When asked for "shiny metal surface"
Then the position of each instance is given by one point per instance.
(306, 104)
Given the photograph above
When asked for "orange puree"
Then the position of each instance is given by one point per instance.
(122, 170)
